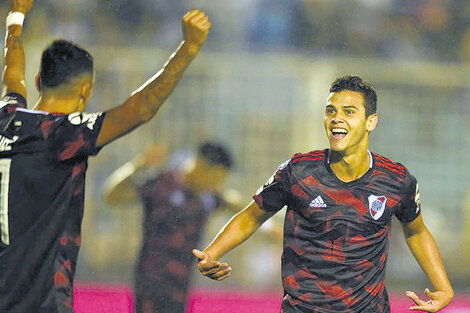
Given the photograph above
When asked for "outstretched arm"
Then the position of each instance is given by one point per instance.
(424, 249)
(13, 79)
(147, 100)
(236, 231)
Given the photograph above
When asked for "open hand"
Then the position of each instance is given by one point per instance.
(195, 28)
(212, 269)
(439, 299)
(23, 6)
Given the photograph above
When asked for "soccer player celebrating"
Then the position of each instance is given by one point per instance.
(340, 202)
(44, 153)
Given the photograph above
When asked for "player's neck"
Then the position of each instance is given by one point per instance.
(53, 104)
(189, 177)
(349, 167)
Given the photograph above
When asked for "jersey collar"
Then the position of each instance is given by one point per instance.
(371, 163)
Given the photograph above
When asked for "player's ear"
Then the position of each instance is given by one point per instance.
(38, 82)
(85, 89)
(372, 121)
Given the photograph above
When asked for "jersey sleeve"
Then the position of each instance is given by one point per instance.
(74, 135)
(274, 195)
(13, 98)
(409, 207)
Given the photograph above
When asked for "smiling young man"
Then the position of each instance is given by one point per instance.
(340, 202)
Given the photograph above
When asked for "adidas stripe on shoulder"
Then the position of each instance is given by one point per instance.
(389, 165)
(317, 155)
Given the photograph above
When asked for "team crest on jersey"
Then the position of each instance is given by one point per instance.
(377, 206)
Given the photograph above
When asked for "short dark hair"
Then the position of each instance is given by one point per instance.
(62, 61)
(355, 83)
(216, 154)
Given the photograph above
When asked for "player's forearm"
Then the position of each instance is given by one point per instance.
(236, 231)
(145, 102)
(424, 249)
(13, 79)
(119, 187)
(157, 89)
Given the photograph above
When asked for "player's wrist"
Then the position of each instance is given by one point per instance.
(212, 256)
(191, 48)
(139, 162)
(15, 17)
(448, 294)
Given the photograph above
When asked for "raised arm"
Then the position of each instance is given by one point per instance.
(121, 187)
(147, 100)
(13, 79)
(236, 231)
(424, 249)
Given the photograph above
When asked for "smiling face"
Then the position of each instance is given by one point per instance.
(346, 124)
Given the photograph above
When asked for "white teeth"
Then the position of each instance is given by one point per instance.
(339, 130)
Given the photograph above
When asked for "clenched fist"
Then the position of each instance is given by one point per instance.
(195, 28)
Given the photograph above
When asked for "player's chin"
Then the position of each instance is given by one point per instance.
(337, 146)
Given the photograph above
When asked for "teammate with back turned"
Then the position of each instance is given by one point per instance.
(340, 202)
(44, 153)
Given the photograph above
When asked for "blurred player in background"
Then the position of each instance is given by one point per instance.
(340, 202)
(44, 153)
(176, 204)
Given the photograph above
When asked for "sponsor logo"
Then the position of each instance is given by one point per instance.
(78, 118)
(377, 206)
(318, 203)
(5, 143)
(9, 100)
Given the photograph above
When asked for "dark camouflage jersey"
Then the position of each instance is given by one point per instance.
(336, 234)
(173, 221)
(43, 159)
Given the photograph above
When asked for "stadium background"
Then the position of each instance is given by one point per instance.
(259, 85)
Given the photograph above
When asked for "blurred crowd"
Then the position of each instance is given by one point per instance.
(404, 29)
